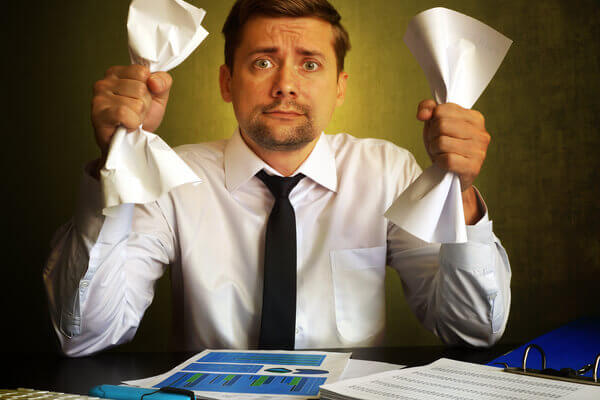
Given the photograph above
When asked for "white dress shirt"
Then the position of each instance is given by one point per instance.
(100, 275)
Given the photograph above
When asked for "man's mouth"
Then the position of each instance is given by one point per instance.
(283, 113)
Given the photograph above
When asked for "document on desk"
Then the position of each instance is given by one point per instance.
(234, 374)
(449, 379)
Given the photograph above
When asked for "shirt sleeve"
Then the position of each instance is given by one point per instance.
(100, 274)
(460, 292)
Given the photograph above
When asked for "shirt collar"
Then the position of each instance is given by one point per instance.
(241, 164)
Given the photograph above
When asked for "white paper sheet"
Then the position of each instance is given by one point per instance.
(333, 363)
(360, 368)
(449, 379)
(140, 166)
(459, 56)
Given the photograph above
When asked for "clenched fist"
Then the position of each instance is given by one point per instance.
(128, 96)
(456, 141)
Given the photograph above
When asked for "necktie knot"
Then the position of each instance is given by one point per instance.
(279, 186)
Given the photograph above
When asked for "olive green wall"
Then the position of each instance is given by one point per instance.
(540, 179)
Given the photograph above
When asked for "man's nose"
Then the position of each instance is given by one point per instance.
(286, 84)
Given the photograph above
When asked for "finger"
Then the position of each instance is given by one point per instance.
(159, 85)
(425, 109)
(458, 129)
(452, 110)
(135, 72)
(456, 163)
(121, 114)
(132, 89)
(450, 145)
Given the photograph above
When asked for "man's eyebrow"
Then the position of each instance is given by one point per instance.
(310, 53)
(263, 50)
(272, 50)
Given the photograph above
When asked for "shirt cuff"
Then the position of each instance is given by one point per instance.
(482, 230)
(88, 217)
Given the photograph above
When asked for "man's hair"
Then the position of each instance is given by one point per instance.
(244, 10)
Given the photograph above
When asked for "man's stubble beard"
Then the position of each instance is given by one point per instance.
(293, 137)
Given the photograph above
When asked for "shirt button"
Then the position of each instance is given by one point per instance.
(84, 284)
(298, 330)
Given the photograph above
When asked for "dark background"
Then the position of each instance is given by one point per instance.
(540, 179)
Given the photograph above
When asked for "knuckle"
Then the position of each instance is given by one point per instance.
(99, 86)
(111, 71)
(97, 102)
(487, 138)
(140, 90)
(121, 113)
(479, 116)
(443, 125)
(482, 156)
(139, 72)
(138, 106)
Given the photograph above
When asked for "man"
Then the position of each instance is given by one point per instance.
(284, 75)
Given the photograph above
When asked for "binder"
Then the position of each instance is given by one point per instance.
(574, 346)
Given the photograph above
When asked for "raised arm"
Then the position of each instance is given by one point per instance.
(101, 271)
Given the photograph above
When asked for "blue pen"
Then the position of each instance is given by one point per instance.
(135, 393)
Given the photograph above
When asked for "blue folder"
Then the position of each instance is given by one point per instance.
(571, 346)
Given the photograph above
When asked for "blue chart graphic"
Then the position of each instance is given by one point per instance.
(257, 384)
(264, 358)
(210, 367)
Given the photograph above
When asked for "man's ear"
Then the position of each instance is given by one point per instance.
(225, 83)
(341, 88)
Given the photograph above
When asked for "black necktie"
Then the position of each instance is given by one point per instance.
(278, 322)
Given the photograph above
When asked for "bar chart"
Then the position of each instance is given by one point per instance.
(241, 383)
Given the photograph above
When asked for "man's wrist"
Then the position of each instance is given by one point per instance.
(95, 167)
(471, 206)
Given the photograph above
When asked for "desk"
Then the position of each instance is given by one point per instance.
(47, 371)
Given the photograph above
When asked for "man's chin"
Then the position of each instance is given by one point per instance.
(281, 137)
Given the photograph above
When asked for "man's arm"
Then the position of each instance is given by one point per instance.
(460, 292)
(101, 271)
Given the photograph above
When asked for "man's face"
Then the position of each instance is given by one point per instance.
(284, 86)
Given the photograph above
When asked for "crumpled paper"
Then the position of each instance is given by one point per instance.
(140, 166)
(459, 56)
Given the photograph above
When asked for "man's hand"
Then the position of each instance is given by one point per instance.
(128, 96)
(456, 141)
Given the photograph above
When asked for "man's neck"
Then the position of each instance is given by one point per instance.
(286, 162)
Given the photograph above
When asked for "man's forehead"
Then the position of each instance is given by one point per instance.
(261, 31)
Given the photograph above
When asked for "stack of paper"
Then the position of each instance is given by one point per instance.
(448, 379)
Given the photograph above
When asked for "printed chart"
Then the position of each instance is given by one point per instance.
(237, 383)
(265, 358)
(291, 373)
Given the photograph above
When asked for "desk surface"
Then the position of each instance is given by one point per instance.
(47, 371)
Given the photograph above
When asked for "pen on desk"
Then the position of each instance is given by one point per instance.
(134, 393)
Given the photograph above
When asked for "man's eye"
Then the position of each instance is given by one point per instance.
(311, 66)
(262, 63)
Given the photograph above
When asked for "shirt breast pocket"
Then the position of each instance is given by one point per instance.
(359, 293)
